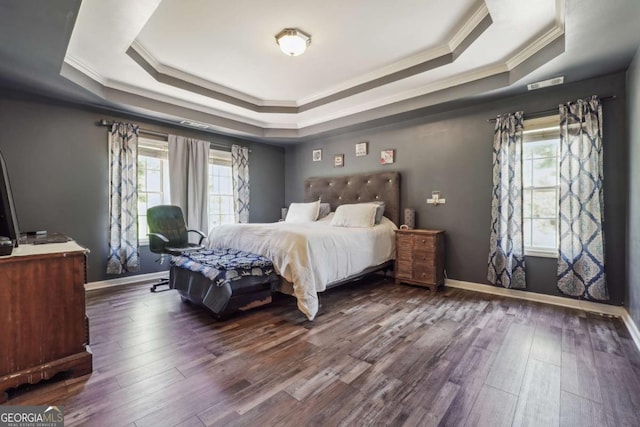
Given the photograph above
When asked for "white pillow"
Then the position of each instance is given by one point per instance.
(303, 212)
(379, 211)
(357, 215)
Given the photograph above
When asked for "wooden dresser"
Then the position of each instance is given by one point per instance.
(43, 326)
(420, 257)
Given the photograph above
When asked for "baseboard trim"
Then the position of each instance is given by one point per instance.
(138, 278)
(595, 307)
(632, 327)
(610, 310)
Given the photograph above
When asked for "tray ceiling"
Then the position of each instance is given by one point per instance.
(217, 63)
(220, 59)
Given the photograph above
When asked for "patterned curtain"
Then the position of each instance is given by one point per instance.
(240, 170)
(581, 261)
(506, 245)
(123, 201)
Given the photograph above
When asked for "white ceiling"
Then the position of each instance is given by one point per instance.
(217, 62)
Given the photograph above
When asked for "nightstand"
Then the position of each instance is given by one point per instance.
(420, 257)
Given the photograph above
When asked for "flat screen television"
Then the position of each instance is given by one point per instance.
(8, 220)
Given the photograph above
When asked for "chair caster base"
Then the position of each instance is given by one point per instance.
(162, 282)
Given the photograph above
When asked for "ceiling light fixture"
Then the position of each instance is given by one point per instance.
(292, 41)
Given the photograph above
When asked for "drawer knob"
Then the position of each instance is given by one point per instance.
(424, 241)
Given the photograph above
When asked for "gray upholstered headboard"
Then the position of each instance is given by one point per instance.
(368, 187)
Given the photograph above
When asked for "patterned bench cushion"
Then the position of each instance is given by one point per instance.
(224, 265)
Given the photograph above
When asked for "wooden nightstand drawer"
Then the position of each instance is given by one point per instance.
(423, 257)
(404, 269)
(426, 275)
(404, 253)
(420, 257)
(404, 241)
(423, 243)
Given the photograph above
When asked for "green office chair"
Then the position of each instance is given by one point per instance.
(168, 235)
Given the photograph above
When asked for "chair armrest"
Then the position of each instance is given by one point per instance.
(200, 233)
(159, 236)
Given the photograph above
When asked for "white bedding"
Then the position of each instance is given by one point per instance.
(311, 255)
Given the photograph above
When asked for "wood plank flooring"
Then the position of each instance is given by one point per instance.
(377, 354)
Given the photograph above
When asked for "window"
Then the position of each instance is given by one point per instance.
(220, 188)
(153, 181)
(153, 184)
(540, 170)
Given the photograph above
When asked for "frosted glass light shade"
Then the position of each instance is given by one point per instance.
(292, 41)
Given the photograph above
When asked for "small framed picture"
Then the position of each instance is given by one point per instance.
(362, 149)
(338, 160)
(317, 155)
(386, 157)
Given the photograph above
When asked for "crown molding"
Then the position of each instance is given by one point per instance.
(560, 13)
(478, 20)
(159, 68)
(85, 69)
(437, 92)
(546, 38)
(264, 124)
(539, 43)
(437, 86)
(479, 13)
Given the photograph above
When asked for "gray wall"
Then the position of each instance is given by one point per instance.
(633, 251)
(451, 152)
(58, 166)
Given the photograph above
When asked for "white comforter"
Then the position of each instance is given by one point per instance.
(311, 255)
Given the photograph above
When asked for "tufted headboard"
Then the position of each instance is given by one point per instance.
(368, 187)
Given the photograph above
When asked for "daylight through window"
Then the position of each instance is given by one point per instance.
(220, 188)
(153, 180)
(541, 149)
(153, 184)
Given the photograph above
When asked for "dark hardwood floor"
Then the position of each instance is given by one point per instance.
(378, 354)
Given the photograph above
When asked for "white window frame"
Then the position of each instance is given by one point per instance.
(541, 129)
(220, 158)
(158, 149)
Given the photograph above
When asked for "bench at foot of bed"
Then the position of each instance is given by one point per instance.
(223, 281)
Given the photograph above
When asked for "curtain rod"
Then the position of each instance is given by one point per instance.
(104, 122)
(550, 111)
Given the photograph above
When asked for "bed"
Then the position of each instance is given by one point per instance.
(312, 257)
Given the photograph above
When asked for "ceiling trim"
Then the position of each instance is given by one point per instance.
(471, 27)
(547, 48)
(533, 54)
(535, 46)
(554, 31)
(106, 91)
(84, 69)
(146, 60)
(473, 83)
